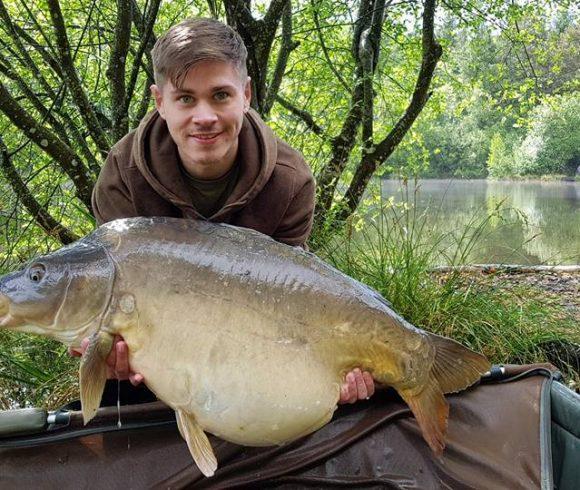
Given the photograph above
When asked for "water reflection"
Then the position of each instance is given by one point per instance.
(539, 222)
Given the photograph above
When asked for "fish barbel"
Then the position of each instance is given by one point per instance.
(244, 337)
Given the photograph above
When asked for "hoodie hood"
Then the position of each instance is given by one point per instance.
(156, 156)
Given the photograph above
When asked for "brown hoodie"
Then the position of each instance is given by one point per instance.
(274, 193)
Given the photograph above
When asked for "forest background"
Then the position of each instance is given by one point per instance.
(364, 89)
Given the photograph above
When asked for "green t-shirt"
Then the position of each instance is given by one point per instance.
(208, 196)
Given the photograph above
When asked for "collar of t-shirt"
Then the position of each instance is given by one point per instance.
(209, 196)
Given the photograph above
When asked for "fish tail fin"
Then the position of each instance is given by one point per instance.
(454, 368)
(431, 411)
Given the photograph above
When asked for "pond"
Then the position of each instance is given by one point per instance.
(538, 222)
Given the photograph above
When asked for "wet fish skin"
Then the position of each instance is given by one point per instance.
(244, 337)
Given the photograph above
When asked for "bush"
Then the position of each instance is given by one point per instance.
(552, 145)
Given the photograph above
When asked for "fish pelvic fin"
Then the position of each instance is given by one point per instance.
(93, 373)
(456, 367)
(197, 442)
(431, 411)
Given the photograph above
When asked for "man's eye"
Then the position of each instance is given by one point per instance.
(221, 95)
(186, 99)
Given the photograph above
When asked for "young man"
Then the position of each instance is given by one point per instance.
(204, 154)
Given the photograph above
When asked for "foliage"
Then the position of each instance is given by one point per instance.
(501, 161)
(35, 372)
(552, 145)
(501, 63)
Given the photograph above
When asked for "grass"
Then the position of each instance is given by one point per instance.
(35, 371)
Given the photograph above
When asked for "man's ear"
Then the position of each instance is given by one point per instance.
(158, 97)
(248, 93)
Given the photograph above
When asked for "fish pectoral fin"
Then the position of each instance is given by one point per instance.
(197, 442)
(93, 373)
(431, 411)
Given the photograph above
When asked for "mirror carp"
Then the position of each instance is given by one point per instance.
(244, 337)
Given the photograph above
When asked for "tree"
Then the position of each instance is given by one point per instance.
(552, 144)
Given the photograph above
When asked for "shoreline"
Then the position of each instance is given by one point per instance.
(558, 284)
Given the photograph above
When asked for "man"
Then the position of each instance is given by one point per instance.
(204, 154)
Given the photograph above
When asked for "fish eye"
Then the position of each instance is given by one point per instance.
(36, 272)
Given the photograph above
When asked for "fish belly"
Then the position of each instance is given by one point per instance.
(252, 386)
(267, 400)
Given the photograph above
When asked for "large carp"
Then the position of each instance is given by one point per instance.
(242, 336)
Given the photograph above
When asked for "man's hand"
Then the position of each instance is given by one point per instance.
(117, 361)
(358, 386)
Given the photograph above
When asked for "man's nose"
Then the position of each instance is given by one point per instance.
(204, 114)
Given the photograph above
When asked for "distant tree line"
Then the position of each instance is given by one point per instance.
(506, 98)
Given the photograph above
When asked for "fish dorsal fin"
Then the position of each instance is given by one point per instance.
(93, 373)
(197, 442)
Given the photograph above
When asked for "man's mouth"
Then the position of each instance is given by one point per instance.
(205, 138)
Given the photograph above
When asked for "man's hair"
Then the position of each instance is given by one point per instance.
(192, 41)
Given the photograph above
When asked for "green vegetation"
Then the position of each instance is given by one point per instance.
(507, 100)
(35, 371)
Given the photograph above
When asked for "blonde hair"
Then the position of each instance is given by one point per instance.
(192, 41)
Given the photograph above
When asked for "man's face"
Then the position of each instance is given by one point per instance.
(205, 116)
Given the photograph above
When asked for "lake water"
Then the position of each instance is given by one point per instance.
(539, 222)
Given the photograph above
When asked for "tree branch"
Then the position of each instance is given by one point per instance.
(302, 114)
(146, 34)
(47, 114)
(116, 70)
(47, 141)
(365, 51)
(16, 33)
(286, 47)
(239, 14)
(258, 36)
(272, 17)
(33, 98)
(432, 51)
(73, 82)
(37, 211)
(369, 50)
(143, 106)
(325, 50)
